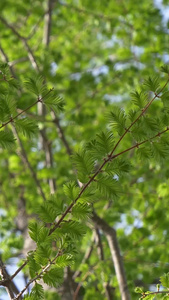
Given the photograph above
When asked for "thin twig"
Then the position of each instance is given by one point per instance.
(142, 113)
(25, 43)
(61, 133)
(27, 162)
(6, 59)
(19, 269)
(7, 282)
(38, 276)
(110, 157)
(24, 110)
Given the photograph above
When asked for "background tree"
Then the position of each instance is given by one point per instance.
(93, 54)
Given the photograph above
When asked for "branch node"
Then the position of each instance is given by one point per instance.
(156, 95)
(40, 99)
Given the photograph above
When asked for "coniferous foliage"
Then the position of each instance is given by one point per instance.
(60, 220)
(84, 150)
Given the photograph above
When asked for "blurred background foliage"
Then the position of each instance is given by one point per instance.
(95, 55)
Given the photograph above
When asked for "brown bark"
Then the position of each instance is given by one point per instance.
(110, 234)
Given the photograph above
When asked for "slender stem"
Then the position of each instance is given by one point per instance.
(38, 276)
(142, 113)
(111, 157)
(24, 41)
(10, 286)
(39, 100)
(19, 269)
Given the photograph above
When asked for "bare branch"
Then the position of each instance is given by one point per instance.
(110, 234)
(17, 61)
(49, 159)
(23, 39)
(7, 282)
(108, 289)
(99, 244)
(25, 160)
(48, 23)
(61, 133)
(6, 59)
(19, 269)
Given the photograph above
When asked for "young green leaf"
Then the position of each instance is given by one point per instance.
(84, 163)
(81, 211)
(54, 277)
(118, 167)
(138, 131)
(150, 125)
(159, 150)
(102, 145)
(27, 127)
(152, 83)
(34, 267)
(117, 119)
(73, 229)
(50, 209)
(138, 290)
(144, 152)
(71, 190)
(165, 99)
(37, 292)
(89, 195)
(34, 230)
(108, 186)
(54, 102)
(36, 85)
(105, 142)
(7, 108)
(165, 69)
(140, 99)
(64, 260)
(165, 280)
(42, 254)
(7, 139)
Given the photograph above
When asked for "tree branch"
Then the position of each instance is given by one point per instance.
(41, 109)
(61, 133)
(38, 276)
(26, 161)
(108, 289)
(24, 41)
(6, 59)
(7, 282)
(110, 234)
(48, 23)
(49, 159)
